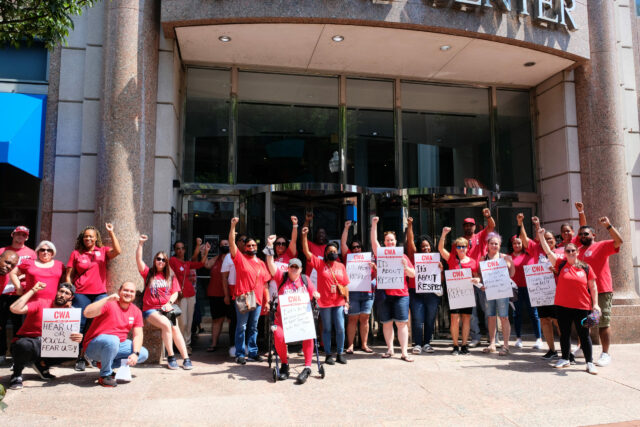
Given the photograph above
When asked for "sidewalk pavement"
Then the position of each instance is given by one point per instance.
(437, 389)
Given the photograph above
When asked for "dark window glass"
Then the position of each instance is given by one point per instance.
(446, 136)
(287, 128)
(206, 151)
(370, 133)
(24, 63)
(19, 201)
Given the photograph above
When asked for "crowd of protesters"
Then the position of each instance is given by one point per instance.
(32, 280)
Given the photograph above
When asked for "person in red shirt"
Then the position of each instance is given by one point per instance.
(576, 297)
(293, 284)
(597, 254)
(8, 292)
(284, 251)
(318, 245)
(161, 291)
(218, 294)
(106, 340)
(395, 306)
(87, 270)
(182, 270)
(42, 269)
(459, 261)
(25, 348)
(251, 275)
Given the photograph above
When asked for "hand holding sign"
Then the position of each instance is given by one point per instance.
(428, 273)
(391, 265)
(359, 272)
(60, 327)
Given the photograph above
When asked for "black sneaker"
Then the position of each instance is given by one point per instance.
(464, 350)
(341, 358)
(304, 375)
(551, 354)
(284, 372)
(81, 364)
(329, 360)
(240, 360)
(16, 383)
(572, 359)
(108, 381)
(455, 351)
(43, 371)
(256, 358)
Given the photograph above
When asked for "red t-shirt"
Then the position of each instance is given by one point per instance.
(290, 287)
(575, 240)
(597, 256)
(158, 291)
(317, 250)
(454, 264)
(50, 276)
(329, 296)
(537, 253)
(32, 325)
(572, 290)
(251, 274)
(182, 269)
(519, 261)
(24, 253)
(404, 291)
(477, 245)
(215, 288)
(91, 270)
(113, 320)
(285, 257)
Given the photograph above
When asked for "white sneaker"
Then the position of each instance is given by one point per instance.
(578, 352)
(416, 349)
(562, 363)
(232, 352)
(591, 368)
(538, 344)
(473, 343)
(604, 360)
(519, 343)
(427, 348)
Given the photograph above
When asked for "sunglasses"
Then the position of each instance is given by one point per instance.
(295, 267)
(160, 259)
(281, 243)
(356, 247)
(461, 247)
(583, 234)
(45, 250)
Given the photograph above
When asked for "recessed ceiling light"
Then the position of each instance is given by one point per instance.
(224, 39)
(445, 47)
(337, 38)
(529, 64)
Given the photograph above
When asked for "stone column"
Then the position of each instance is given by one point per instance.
(125, 175)
(602, 156)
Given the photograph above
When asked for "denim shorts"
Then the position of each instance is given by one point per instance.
(148, 313)
(394, 308)
(498, 307)
(360, 302)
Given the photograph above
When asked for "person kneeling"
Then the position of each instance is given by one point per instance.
(106, 339)
(26, 345)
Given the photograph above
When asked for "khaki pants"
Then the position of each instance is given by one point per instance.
(185, 320)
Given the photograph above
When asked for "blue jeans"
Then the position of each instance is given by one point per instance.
(523, 303)
(110, 351)
(360, 303)
(424, 308)
(394, 309)
(332, 317)
(81, 301)
(247, 322)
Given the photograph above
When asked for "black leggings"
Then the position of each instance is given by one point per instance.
(566, 316)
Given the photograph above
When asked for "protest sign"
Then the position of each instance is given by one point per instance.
(124, 373)
(541, 284)
(390, 268)
(359, 272)
(273, 286)
(428, 273)
(460, 288)
(57, 326)
(495, 278)
(297, 318)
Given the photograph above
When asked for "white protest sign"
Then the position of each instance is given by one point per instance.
(57, 326)
(273, 286)
(124, 373)
(460, 288)
(390, 268)
(10, 287)
(541, 284)
(359, 272)
(428, 273)
(314, 274)
(297, 318)
(495, 278)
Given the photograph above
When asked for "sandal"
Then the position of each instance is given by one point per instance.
(211, 348)
(348, 351)
(387, 355)
(504, 351)
(489, 350)
(406, 359)
(367, 350)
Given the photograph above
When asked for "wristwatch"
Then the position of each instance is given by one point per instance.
(137, 353)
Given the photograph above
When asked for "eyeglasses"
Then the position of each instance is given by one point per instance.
(160, 259)
(354, 247)
(280, 243)
(295, 267)
(569, 251)
(461, 248)
(45, 250)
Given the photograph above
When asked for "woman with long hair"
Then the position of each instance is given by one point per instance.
(161, 289)
(43, 269)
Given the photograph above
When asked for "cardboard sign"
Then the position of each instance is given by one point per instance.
(390, 268)
(273, 286)
(495, 278)
(428, 273)
(541, 284)
(460, 288)
(359, 272)
(57, 326)
(297, 318)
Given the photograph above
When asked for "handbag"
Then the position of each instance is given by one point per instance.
(173, 314)
(246, 302)
(343, 291)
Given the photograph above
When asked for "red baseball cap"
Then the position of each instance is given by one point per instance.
(21, 229)
(469, 221)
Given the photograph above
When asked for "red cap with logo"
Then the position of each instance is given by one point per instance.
(469, 221)
(21, 229)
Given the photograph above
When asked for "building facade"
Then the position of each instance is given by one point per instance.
(169, 117)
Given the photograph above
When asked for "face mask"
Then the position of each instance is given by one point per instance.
(224, 249)
(332, 256)
(251, 253)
